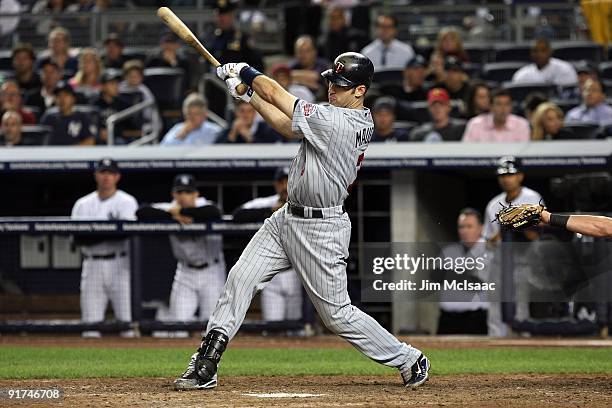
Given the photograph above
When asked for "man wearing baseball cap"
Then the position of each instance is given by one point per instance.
(200, 269)
(383, 113)
(109, 102)
(413, 88)
(442, 127)
(69, 127)
(455, 80)
(105, 273)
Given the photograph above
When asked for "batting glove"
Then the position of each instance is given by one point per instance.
(230, 70)
(232, 84)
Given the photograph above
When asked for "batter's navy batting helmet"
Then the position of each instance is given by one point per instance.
(350, 69)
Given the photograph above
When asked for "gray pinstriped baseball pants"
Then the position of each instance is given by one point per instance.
(317, 249)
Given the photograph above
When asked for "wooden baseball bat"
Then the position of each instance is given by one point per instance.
(180, 29)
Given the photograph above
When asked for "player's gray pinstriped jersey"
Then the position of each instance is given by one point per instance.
(334, 141)
(195, 249)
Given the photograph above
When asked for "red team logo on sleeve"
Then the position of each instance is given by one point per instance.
(309, 109)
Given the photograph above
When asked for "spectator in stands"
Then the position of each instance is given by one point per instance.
(113, 52)
(594, 108)
(109, 102)
(69, 127)
(341, 37)
(245, 129)
(455, 80)
(450, 44)
(282, 74)
(413, 87)
(547, 123)
(531, 103)
(465, 312)
(170, 57)
(44, 98)
(49, 7)
(500, 125)
(386, 52)
(195, 130)
(11, 129)
(87, 78)
(23, 64)
(478, 100)
(10, 99)
(228, 43)
(59, 52)
(545, 68)
(383, 113)
(81, 6)
(306, 68)
(133, 74)
(442, 127)
(585, 70)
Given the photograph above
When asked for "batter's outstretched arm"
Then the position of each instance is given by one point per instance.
(270, 91)
(273, 116)
(592, 225)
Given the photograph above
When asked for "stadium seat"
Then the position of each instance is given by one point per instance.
(584, 130)
(424, 50)
(479, 53)
(566, 104)
(605, 70)
(132, 53)
(413, 112)
(512, 52)
(578, 50)
(500, 71)
(607, 130)
(520, 91)
(472, 69)
(35, 135)
(6, 60)
(166, 84)
(388, 76)
(400, 124)
(5, 74)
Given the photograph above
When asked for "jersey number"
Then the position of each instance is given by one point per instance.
(360, 160)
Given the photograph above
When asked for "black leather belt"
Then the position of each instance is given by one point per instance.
(299, 211)
(204, 265)
(106, 256)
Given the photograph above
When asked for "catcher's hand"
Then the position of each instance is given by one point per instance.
(520, 216)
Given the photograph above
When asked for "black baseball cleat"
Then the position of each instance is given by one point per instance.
(189, 380)
(201, 372)
(419, 373)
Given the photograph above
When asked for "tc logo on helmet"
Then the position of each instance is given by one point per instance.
(339, 68)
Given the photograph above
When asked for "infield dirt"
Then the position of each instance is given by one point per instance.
(339, 391)
(490, 390)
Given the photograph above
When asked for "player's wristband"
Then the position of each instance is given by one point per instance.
(558, 220)
(248, 75)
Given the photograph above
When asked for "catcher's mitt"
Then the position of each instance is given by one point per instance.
(520, 216)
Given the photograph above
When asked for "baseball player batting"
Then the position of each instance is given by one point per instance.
(311, 232)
